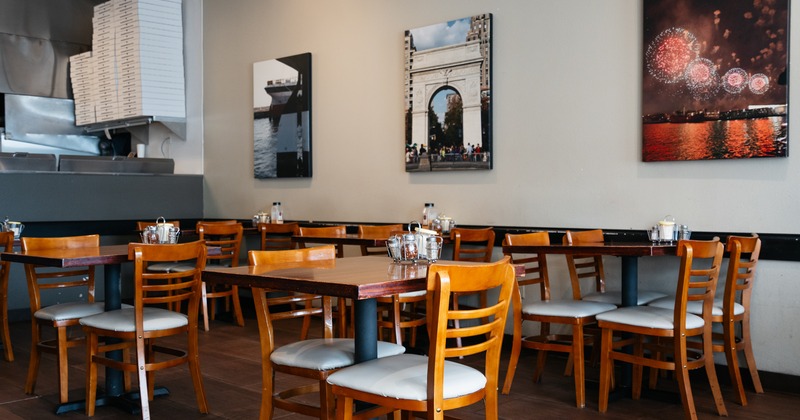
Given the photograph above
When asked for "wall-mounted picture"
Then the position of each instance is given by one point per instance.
(448, 96)
(282, 117)
(715, 82)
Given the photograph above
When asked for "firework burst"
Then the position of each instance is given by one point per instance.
(759, 83)
(669, 54)
(734, 80)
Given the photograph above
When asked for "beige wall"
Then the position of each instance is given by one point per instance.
(566, 94)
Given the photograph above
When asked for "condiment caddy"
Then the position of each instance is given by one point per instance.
(419, 245)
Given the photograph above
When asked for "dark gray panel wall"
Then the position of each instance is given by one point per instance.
(60, 197)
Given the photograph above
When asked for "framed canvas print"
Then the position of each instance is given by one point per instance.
(715, 82)
(448, 96)
(282, 117)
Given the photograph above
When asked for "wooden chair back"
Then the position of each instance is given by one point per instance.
(482, 333)
(6, 245)
(167, 288)
(328, 231)
(277, 236)
(49, 278)
(697, 279)
(743, 258)
(377, 231)
(297, 304)
(585, 266)
(227, 236)
(141, 224)
(535, 264)
(472, 244)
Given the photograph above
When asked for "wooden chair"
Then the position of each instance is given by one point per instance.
(572, 312)
(432, 383)
(649, 325)
(140, 326)
(59, 316)
(6, 245)
(314, 359)
(399, 311)
(732, 309)
(277, 236)
(471, 245)
(342, 308)
(339, 230)
(591, 266)
(227, 236)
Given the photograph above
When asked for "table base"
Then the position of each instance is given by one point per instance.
(128, 402)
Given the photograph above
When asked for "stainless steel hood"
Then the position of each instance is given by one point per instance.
(37, 37)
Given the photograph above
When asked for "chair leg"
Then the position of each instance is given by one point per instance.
(344, 408)
(91, 373)
(237, 307)
(605, 369)
(578, 365)
(327, 402)
(5, 336)
(144, 391)
(749, 356)
(33, 363)
(204, 302)
(63, 365)
(711, 372)
(541, 359)
(731, 356)
(516, 348)
(397, 334)
(194, 368)
(265, 333)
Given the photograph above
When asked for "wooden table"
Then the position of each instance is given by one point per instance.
(111, 257)
(359, 278)
(629, 252)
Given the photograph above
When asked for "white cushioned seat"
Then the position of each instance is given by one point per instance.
(123, 320)
(406, 377)
(326, 354)
(648, 316)
(71, 310)
(567, 308)
(615, 297)
(413, 294)
(696, 307)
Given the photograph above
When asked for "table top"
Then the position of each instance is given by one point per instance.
(353, 277)
(106, 254)
(620, 249)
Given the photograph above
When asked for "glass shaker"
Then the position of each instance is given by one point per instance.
(410, 250)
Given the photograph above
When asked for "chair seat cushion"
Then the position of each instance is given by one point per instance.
(413, 294)
(122, 320)
(326, 354)
(170, 267)
(567, 308)
(648, 316)
(406, 377)
(71, 310)
(615, 297)
(696, 306)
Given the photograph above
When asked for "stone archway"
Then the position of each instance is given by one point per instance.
(455, 66)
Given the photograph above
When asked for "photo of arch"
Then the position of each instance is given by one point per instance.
(448, 101)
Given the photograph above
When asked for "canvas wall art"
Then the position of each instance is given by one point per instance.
(448, 96)
(715, 82)
(282, 117)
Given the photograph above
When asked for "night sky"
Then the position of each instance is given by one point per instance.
(713, 54)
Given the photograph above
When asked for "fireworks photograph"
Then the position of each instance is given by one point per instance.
(715, 82)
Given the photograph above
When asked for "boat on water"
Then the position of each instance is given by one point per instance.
(281, 91)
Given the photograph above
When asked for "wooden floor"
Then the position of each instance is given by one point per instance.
(231, 368)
